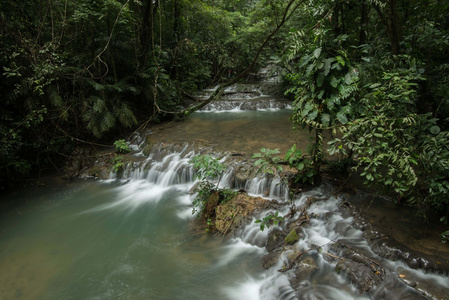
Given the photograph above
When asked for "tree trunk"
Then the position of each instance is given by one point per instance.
(146, 31)
(336, 19)
(394, 26)
(363, 23)
(174, 69)
(392, 23)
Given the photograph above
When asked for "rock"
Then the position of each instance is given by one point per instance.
(291, 238)
(211, 204)
(270, 260)
(237, 211)
(275, 239)
(241, 176)
(365, 273)
(303, 270)
(421, 286)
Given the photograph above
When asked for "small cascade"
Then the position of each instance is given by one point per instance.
(242, 105)
(162, 167)
(267, 186)
(260, 92)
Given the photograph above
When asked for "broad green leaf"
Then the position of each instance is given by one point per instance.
(348, 78)
(320, 80)
(327, 66)
(340, 60)
(313, 115)
(317, 52)
(258, 162)
(435, 129)
(320, 95)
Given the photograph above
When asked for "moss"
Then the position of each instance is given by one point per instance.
(291, 238)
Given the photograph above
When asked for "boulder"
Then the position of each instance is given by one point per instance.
(237, 211)
(275, 238)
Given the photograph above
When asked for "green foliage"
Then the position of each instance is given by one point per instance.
(209, 169)
(205, 190)
(268, 161)
(121, 146)
(210, 224)
(305, 166)
(387, 115)
(117, 162)
(269, 220)
(323, 83)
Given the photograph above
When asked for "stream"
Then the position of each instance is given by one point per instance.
(134, 237)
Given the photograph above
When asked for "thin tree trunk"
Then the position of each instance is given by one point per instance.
(363, 23)
(147, 27)
(392, 23)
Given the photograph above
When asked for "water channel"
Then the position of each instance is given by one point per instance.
(134, 238)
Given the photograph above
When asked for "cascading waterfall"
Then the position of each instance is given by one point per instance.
(133, 237)
(173, 171)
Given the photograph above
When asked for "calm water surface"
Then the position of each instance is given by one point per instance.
(238, 131)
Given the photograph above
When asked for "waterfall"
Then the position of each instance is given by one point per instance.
(170, 171)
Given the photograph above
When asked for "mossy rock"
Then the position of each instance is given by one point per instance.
(291, 238)
(237, 211)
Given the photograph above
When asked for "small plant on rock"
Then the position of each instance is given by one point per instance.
(209, 169)
(271, 219)
(117, 163)
(121, 146)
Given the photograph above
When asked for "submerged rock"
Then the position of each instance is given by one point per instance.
(271, 259)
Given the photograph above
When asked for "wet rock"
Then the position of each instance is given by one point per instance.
(195, 188)
(249, 105)
(211, 204)
(385, 246)
(291, 238)
(423, 287)
(81, 163)
(303, 270)
(394, 250)
(275, 239)
(241, 176)
(364, 272)
(239, 210)
(270, 260)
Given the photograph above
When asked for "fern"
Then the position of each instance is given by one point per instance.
(125, 115)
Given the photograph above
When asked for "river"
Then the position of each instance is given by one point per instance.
(134, 237)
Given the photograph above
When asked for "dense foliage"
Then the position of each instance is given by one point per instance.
(84, 71)
(373, 75)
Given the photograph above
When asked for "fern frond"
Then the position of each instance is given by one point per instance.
(54, 97)
(98, 104)
(125, 115)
